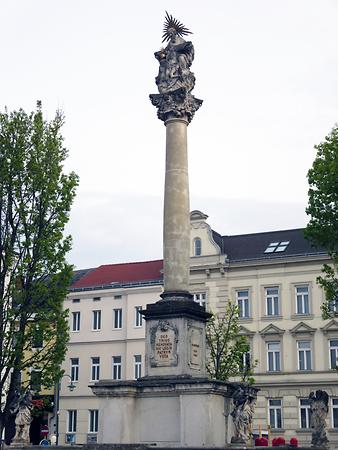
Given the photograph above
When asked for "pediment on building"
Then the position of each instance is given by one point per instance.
(302, 328)
(242, 331)
(271, 330)
(331, 327)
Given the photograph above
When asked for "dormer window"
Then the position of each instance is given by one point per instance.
(197, 247)
(276, 247)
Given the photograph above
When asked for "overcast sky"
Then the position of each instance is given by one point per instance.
(267, 71)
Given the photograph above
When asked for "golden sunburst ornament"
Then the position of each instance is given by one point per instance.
(173, 24)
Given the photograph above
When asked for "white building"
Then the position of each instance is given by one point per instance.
(271, 276)
(106, 338)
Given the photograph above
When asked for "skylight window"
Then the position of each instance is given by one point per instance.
(276, 247)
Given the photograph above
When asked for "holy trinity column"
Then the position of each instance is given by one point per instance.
(174, 404)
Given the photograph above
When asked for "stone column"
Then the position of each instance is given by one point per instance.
(175, 325)
(176, 229)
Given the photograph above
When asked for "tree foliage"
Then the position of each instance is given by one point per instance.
(35, 201)
(228, 352)
(322, 228)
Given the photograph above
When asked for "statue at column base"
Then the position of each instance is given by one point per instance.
(319, 409)
(244, 400)
(22, 406)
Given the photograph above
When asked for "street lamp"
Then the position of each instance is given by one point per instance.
(71, 386)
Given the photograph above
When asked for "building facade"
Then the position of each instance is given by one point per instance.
(107, 337)
(272, 278)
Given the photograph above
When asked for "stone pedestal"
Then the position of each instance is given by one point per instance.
(170, 412)
(175, 338)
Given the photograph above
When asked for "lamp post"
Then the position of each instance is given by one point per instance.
(71, 386)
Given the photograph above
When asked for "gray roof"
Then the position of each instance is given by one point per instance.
(245, 247)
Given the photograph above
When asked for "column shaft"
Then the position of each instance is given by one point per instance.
(176, 229)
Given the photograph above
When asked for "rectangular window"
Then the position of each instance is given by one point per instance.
(35, 381)
(333, 343)
(117, 313)
(95, 369)
(96, 299)
(280, 246)
(117, 368)
(74, 369)
(138, 316)
(333, 305)
(335, 412)
(197, 247)
(96, 325)
(93, 421)
(37, 338)
(242, 298)
(273, 354)
(304, 355)
(275, 413)
(137, 366)
(200, 298)
(272, 301)
(76, 321)
(246, 361)
(76, 300)
(302, 299)
(305, 413)
(72, 419)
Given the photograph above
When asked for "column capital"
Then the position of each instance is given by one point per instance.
(176, 105)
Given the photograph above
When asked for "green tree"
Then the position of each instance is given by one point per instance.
(35, 201)
(322, 228)
(228, 353)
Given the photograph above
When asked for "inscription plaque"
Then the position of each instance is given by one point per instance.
(163, 340)
(195, 346)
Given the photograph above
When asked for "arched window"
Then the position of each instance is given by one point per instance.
(197, 247)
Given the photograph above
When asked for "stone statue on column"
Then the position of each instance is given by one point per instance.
(319, 407)
(244, 400)
(175, 81)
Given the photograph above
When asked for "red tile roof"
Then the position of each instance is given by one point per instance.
(121, 273)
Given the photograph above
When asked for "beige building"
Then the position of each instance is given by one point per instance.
(271, 276)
